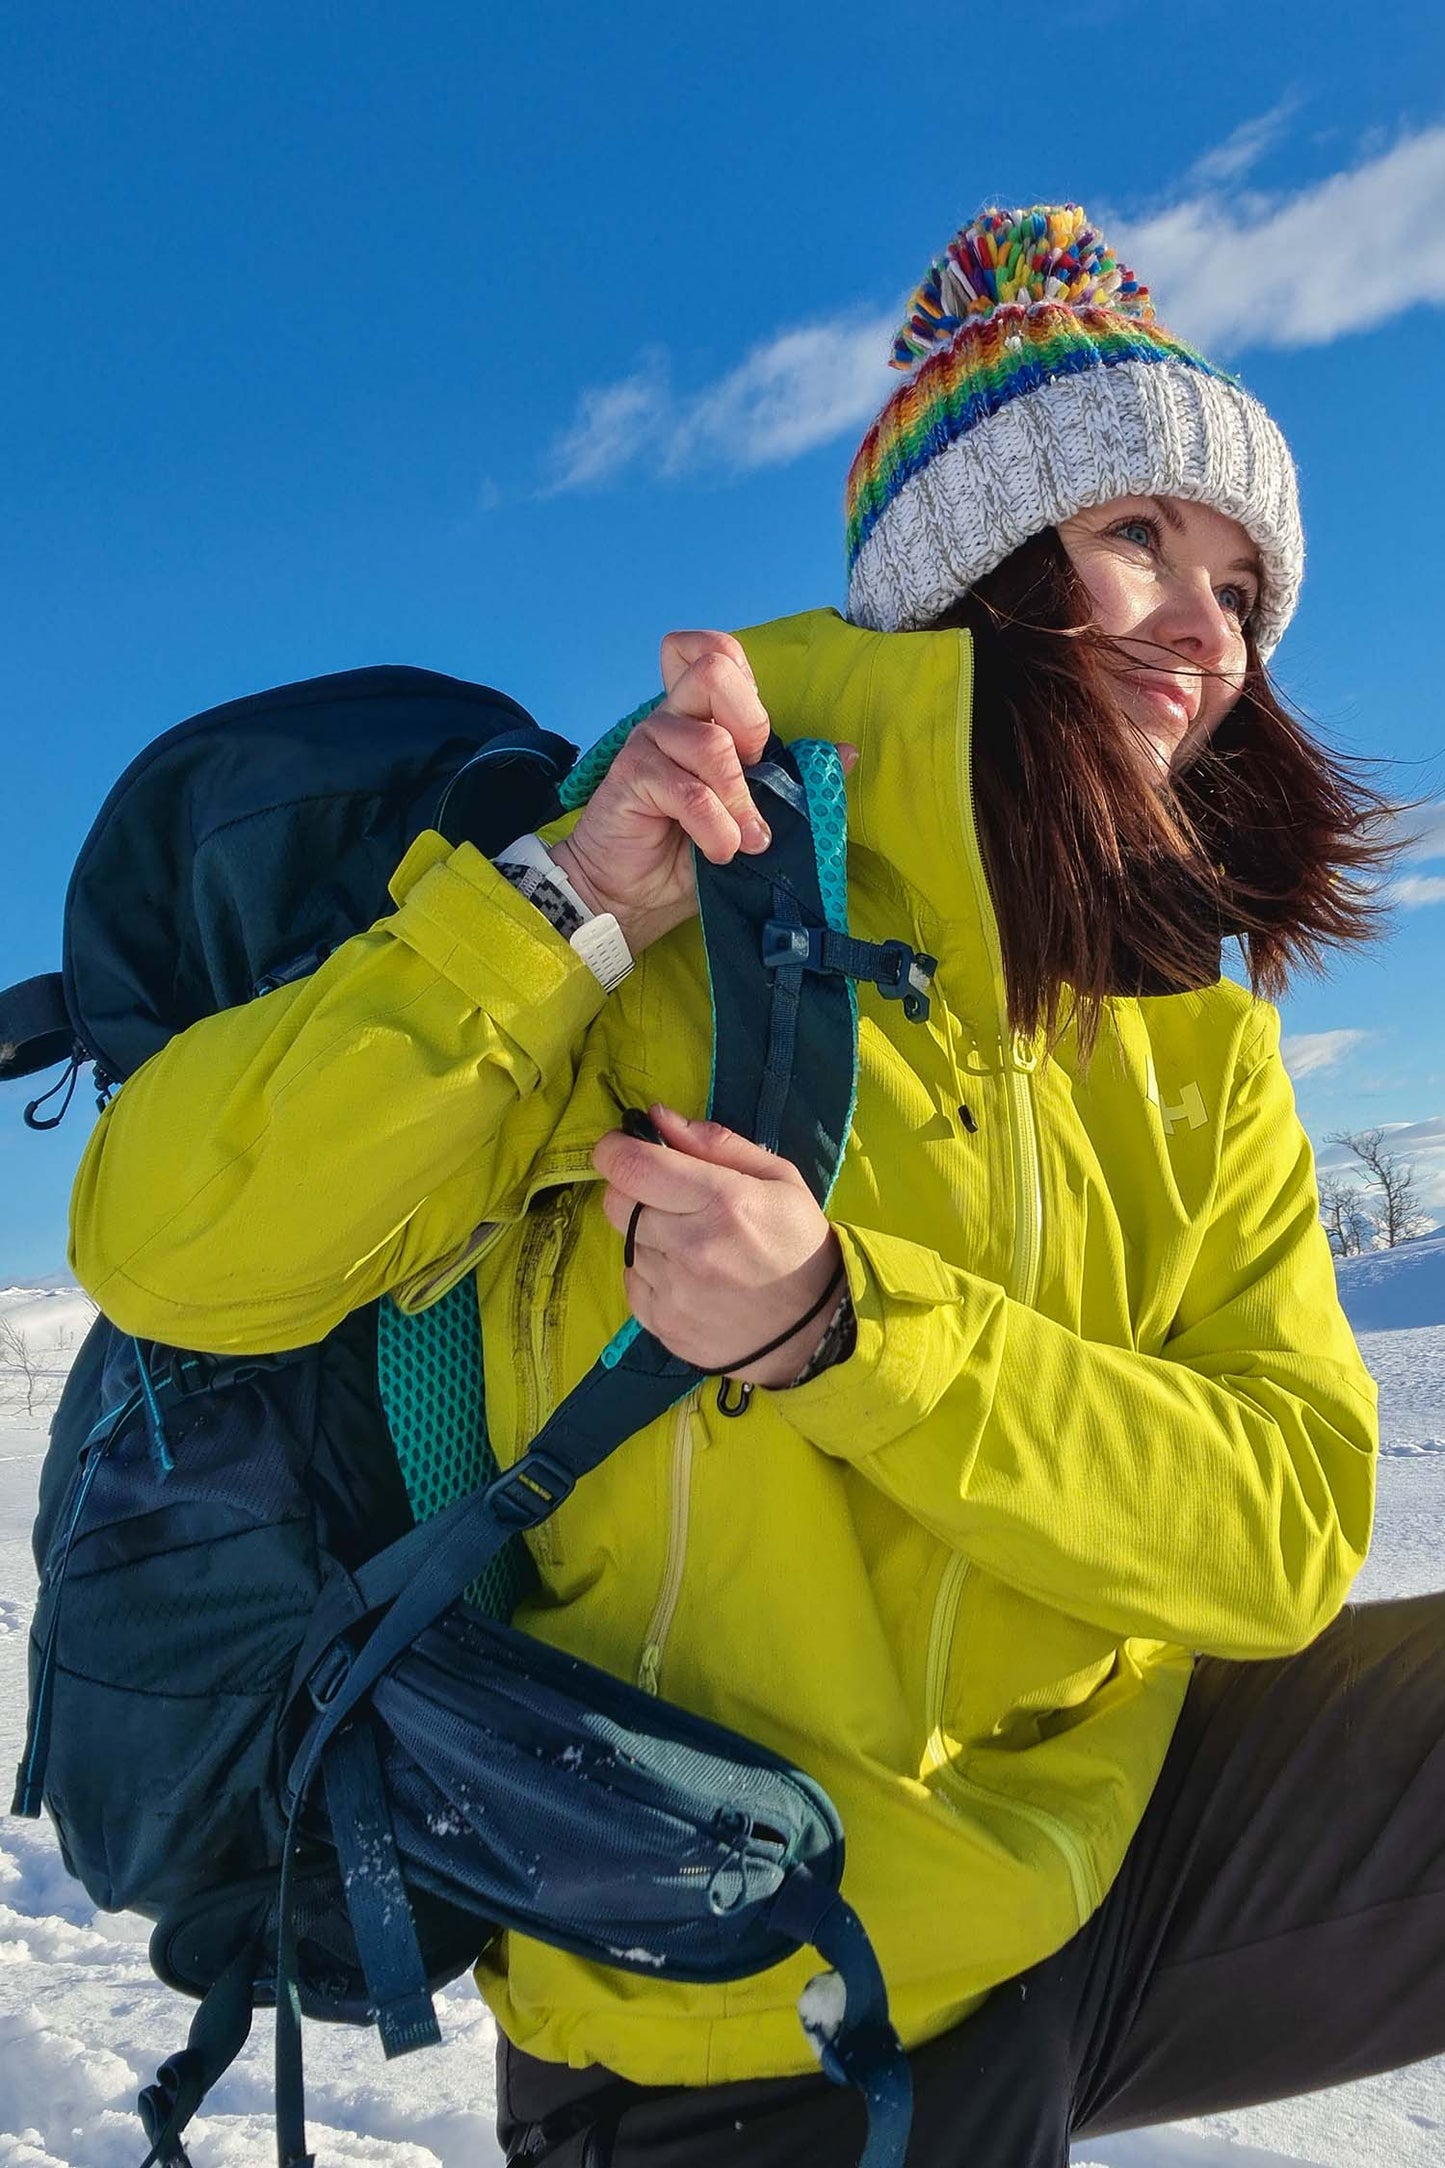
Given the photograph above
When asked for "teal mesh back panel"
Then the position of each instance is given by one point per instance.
(429, 1374)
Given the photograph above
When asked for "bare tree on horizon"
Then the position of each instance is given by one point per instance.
(1393, 1212)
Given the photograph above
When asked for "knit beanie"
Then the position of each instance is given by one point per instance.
(1037, 383)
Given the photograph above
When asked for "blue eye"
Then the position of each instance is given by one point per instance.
(1241, 604)
(1148, 528)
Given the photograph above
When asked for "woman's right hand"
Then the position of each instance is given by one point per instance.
(677, 781)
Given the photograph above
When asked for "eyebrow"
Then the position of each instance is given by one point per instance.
(1172, 519)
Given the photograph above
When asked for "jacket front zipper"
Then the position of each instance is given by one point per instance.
(684, 1444)
(1028, 1200)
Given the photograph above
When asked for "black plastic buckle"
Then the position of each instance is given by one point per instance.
(531, 1490)
(904, 974)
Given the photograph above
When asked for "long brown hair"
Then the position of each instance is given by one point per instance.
(1105, 882)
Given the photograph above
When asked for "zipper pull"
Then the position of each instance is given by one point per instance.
(649, 1670)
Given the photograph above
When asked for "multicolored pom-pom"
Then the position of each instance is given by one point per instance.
(1028, 259)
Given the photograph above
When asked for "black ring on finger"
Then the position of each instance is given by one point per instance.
(629, 1246)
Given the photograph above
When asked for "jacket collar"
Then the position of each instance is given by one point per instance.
(905, 699)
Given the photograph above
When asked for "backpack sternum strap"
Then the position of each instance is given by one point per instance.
(899, 972)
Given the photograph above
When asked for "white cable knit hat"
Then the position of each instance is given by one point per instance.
(1039, 383)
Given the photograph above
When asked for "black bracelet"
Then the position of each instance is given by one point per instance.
(745, 1361)
(836, 1345)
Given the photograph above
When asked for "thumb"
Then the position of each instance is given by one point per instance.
(720, 1146)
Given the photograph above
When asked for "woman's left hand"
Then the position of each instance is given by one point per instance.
(731, 1245)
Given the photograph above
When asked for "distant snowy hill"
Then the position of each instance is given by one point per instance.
(1393, 1290)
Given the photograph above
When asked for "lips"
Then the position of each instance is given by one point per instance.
(1183, 706)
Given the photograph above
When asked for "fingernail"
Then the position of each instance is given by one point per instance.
(757, 835)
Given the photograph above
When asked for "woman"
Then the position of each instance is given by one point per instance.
(1032, 1546)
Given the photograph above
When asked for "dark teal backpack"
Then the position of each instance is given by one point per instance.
(276, 1701)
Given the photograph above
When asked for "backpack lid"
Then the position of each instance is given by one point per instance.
(241, 847)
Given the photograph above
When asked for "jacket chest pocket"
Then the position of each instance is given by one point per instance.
(549, 1239)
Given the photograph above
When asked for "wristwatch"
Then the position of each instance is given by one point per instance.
(595, 935)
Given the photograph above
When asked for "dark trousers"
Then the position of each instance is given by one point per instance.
(1278, 1925)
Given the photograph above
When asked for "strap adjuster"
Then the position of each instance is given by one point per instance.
(791, 947)
(530, 1490)
(905, 974)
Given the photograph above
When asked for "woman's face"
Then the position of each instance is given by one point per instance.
(1172, 586)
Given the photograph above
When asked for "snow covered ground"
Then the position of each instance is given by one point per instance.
(83, 2023)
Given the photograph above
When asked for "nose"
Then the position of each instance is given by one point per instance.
(1191, 622)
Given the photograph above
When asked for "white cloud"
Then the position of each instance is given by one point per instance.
(797, 391)
(1308, 1051)
(803, 388)
(1423, 831)
(1302, 269)
(1248, 144)
(1227, 271)
(1417, 889)
(612, 422)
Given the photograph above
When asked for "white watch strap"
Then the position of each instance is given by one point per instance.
(532, 851)
(599, 940)
(602, 945)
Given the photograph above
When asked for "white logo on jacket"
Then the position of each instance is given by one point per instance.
(1189, 1108)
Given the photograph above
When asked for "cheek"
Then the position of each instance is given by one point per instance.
(1217, 696)
(1120, 598)
(1226, 688)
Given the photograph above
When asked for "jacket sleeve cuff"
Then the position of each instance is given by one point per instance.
(451, 902)
(904, 1297)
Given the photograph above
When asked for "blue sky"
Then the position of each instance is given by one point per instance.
(501, 341)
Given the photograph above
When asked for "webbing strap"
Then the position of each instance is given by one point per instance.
(219, 2031)
(291, 2147)
(862, 2049)
(782, 1035)
(376, 1895)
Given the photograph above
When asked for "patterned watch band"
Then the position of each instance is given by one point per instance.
(531, 882)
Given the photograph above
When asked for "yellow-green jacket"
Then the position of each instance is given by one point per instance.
(1104, 1411)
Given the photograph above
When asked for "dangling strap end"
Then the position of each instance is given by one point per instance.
(27, 1797)
(407, 2024)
